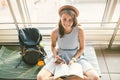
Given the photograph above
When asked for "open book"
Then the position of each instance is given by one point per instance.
(68, 70)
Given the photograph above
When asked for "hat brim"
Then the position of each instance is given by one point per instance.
(68, 7)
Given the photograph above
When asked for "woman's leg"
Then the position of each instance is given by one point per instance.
(88, 70)
(91, 75)
(44, 75)
(47, 71)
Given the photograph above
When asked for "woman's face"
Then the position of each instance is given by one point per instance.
(66, 21)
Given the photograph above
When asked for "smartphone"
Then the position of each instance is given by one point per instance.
(59, 61)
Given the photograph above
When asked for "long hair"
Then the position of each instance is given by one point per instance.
(73, 15)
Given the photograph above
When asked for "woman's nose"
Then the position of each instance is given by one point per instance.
(67, 22)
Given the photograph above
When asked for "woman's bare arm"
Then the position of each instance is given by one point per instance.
(81, 37)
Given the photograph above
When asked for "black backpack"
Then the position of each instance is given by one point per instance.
(31, 51)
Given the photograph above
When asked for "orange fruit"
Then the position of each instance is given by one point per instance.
(40, 63)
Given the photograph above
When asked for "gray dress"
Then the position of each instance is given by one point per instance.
(67, 48)
(68, 45)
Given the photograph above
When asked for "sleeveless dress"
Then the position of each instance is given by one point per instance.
(68, 45)
(67, 48)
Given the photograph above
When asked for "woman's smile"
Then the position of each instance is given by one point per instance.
(67, 21)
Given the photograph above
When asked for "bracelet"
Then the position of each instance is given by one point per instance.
(74, 59)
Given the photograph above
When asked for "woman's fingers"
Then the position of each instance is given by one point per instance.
(71, 61)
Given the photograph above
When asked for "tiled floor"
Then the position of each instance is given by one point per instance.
(109, 62)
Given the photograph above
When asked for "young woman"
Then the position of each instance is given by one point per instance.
(71, 43)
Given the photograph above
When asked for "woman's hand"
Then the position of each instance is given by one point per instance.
(59, 60)
(57, 57)
(71, 62)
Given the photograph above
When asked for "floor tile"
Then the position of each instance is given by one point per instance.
(105, 77)
(113, 62)
(115, 76)
(101, 61)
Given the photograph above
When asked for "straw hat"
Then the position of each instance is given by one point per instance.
(68, 7)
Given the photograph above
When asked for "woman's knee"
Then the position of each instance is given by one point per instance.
(39, 77)
(95, 77)
(92, 75)
(91, 78)
(43, 74)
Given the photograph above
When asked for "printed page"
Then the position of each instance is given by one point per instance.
(67, 70)
(76, 69)
(61, 70)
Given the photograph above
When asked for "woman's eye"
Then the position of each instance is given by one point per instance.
(64, 19)
(70, 20)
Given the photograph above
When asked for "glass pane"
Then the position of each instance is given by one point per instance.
(42, 10)
(116, 14)
(47, 10)
(5, 15)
